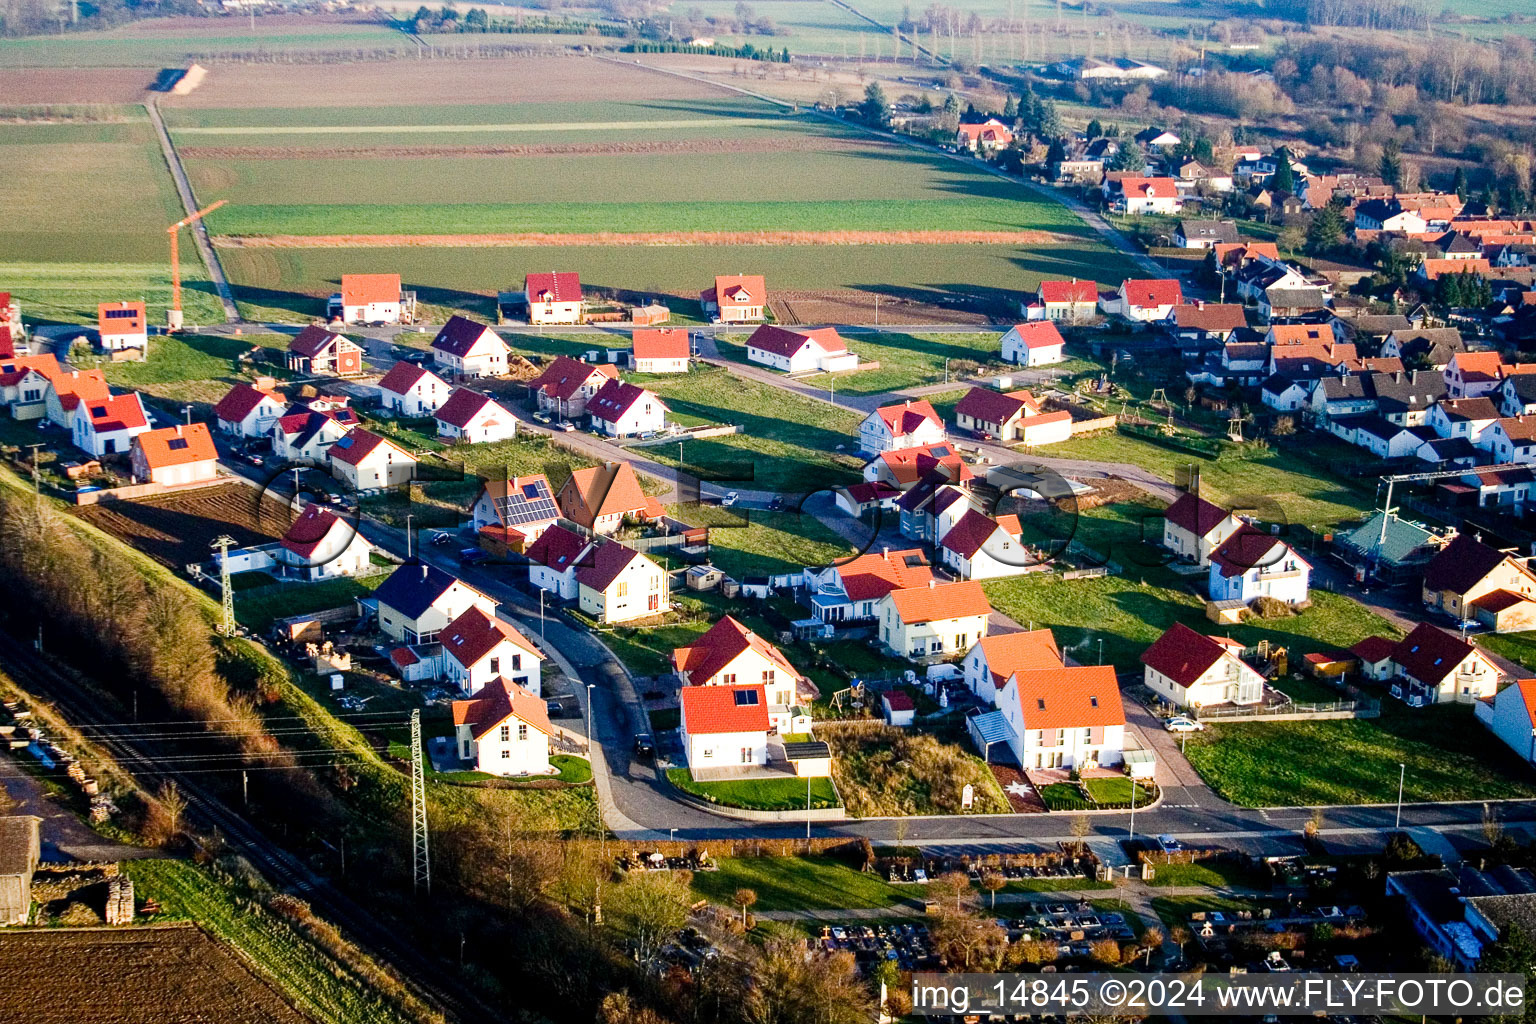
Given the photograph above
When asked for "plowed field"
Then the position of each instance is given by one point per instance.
(177, 529)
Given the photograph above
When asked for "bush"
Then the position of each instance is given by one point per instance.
(1271, 608)
(890, 771)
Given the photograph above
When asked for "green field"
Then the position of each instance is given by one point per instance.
(906, 360)
(191, 368)
(764, 543)
(799, 883)
(776, 794)
(141, 45)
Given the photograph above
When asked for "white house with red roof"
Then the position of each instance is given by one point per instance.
(469, 417)
(370, 298)
(1033, 344)
(68, 391)
(1133, 194)
(522, 506)
(621, 409)
(735, 298)
(1193, 670)
(1511, 715)
(800, 351)
(729, 653)
(315, 350)
(660, 350)
(1431, 666)
(1071, 301)
(304, 434)
(1194, 527)
(724, 729)
(995, 414)
(248, 411)
(364, 460)
(25, 384)
(850, 591)
(464, 348)
(1143, 300)
(1251, 564)
(553, 559)
(1064, 717)
(123, 329)
(413, 390)
(108, 426)
(618, 584)
(479, 648)
(320, 545)
(171, 456)
(978, 547)
(912, 424)
(566, 384)
(504, 731)
(553, 298)
(987, 137)
(989, 663)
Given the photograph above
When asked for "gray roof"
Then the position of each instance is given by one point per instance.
(17, 835)
(1381, 324)
(1297, 298)
(1340, 388)
(1523, 385)
(807, 751)
(1432, 891)
(1408, 391)
(1209, 230)
(1504, 911)
(1405, 542)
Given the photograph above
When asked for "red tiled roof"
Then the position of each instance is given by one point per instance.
(557, 548)
(1182, 655)
(1149, 188)
(1373, 649)
(1150, 294)
(898, 700)
(315, 341)
(616, 398)
(938, 601)
(755, 291)
(1302, 334)
(1039, 334)
(711, 710)
(120, 412)
(177, 446)
(966, 537)
(871, 577)
(786, 343)
(721, 644)
(1080, 697)
(556, 286)
(660, 343)
(307, 531)
(909, 465)
(363, 289)
(1194, 514)
(1210, 316)
(604, 566)
(1496, 601)
(1069, 291)
(78, 386)
(988, 406)
(1029, 650)
(15, 368)
(1461, 565)
(463, 406)
(474, 634)
(903, 419)
(356, 445)
(132, 324)
(237, 405)
(499, 701)
(1246, 548)
(403, 376)
(1429, 654)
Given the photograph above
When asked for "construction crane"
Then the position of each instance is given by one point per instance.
(1407, 478)
(173, 315)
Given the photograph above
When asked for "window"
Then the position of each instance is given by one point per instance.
(522, 732)
(177, 444)
(746, 755)
(506, 733)
(623, 588)
(517, 662)
(653, 603)
(767, 676)
(729, 679)
(495, 666)
(506, 755)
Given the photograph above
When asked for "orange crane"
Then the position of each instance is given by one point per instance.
(173, 315)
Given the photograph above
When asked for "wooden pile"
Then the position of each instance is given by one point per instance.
(120, 900)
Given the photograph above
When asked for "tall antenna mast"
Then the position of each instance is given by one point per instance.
(226, 590)
(420, 860)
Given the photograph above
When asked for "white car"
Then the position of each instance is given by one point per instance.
(730, 499)
(1182, 724)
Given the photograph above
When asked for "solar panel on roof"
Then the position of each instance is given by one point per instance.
(531, 504)
(746, 698)
(530, 490)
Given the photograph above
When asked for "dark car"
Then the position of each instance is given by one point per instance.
(644, 748)
(473, 556)
(776, 504)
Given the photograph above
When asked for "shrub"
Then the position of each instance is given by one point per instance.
(890, 771)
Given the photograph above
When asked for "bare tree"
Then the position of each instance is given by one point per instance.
(744, 898)
(1151, 939)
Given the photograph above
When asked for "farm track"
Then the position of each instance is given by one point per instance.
(285, 871)
(659, 238)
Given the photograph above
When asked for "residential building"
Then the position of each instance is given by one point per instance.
(305, 435)
(800, 351)
(123, 329)
(938, 621)
(25, 384)
(1511, 439)
(566, 385)
(1467, 570)
(851, 591)
(1431, 666)
(1192, 670)
(479, 648)
(1194, 527)
(412, 390)
(172, 456)
(1511, 715)
(320, 545)
(464, 348)
(1064, 717)
(735, 298)
(108, 426)
(729, 653)
(724, 729)
(67, 392)
(599, 498)
(553, 298)
(985, 138)
(1388, 549)
(315, 351)
(469, 417)
(1071, 301)
(1137, 195)
(363, 460)
(660, 350)
(621, 409)
(908, 425)
(924, 506)
(1517, 395)
(989, 663)
(994, 414)
(1206, 323)
(419, 600)
(519, 508)
(504, 731)
(1465, 418)
(247, 411)
(371, 299)
(553, 559)
(978, 547)
(1251, 564)
(1144, 301)
(1424, 346)
(1474, 374)
(907, 466)
(1037, 343)
(1204, 234)
(618, 584)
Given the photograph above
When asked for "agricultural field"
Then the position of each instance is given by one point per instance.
(179, 529)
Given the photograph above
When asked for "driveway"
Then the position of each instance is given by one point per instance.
(65, 837)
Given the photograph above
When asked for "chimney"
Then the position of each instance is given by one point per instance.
(885, 552)
(932, 583)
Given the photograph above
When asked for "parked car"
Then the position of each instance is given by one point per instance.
(567, 426)
(1181, 724)
(472, 556)
(730, 499)
(442, 538)
(644, 748)
(540, 417)
(1168, 844)
(776, 504)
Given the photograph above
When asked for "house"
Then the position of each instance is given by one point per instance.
(305, 435)
(940, 620)
(1274, 303)
(566, 384)
(553, 298)
(419, 600)
(363, 460)
(108, 426)
(1431, 270)
(908, 425)
(1462, 417)
(1194, 527)
(1144, 301)
(1475, 374)
(1113, 69)
(1511, 715)
(20, 851)
(123, 329)
(924, 507)
(412, 390)
(1466, 570)
(729, 653)
(800, 351)
(1204, 234)
(1072, 301)
(1033, 344)
(724, 729)
(1504, 611)
(1064, 717)
(1436, 667)
(1388, 215)
(979, 547)
(735, 298)
(621, 409)
(904, 467)
(599, 498)
(1511, 439)
(898, 708)
(315, 350)
(479, 649)
(1405, 398)
(1517, 395)
(1285, 393)
(371, 299)
(660, 350)
(1156, 138)
(1388, 548)
(1251, 564)
(994, 414)
(320, 545)
(618, 584)
(987, 137)
(850, 592)
(1135, 195)
(519, 507)
(504, 731)
(26, 382)
(464, 348)
(1206, 323)
(553, 559)
(67, 392)
(858, 499)
(469, 417)
(1424, 346)
(182, 454)
(989, 663)
(1193, 670)
(247, 411)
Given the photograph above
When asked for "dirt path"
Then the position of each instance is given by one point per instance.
(645, 238)
(609, 148)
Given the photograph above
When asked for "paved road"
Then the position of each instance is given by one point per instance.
(189, 204)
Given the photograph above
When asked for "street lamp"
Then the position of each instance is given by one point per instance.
(807, 810)
(671, 834)
(1402, 770)
(541, 613)
(408, 517)
(1101, 650)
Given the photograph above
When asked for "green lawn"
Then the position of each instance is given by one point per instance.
(1064, 796)
(1449, 756)
(258, 612)
(573, 769)
(758, 543)
(1217, 874)
(194, 368)
(647, 651)
(1116, 791)
(1175, 910)
(800, 883)
(758, 794)
(1517, 647)
(906, 360)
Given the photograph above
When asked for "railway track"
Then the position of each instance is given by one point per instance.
(281, 868)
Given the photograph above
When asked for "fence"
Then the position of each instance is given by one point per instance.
(691, 538)
(1292, 712)
(718, 430)
(141, 491)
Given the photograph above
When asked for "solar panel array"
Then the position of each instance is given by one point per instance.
(528, 503)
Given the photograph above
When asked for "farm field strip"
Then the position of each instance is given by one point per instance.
(838, 237)
(390, 129)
